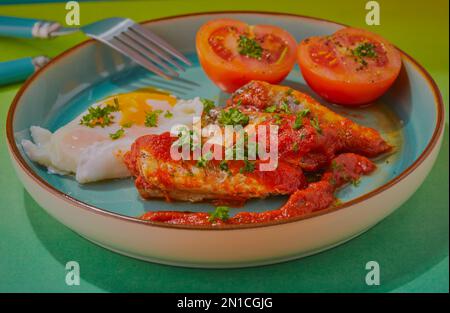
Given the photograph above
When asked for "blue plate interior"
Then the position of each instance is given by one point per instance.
(403, 116)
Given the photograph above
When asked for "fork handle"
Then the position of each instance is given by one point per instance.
(19, 70)
(26, 27)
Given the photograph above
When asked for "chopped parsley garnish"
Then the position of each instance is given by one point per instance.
(356, 182)
(204, 159)
(233, 117)
(298, 122)
(285, 107)
(362, 51)
(304, 112)
(223, 165)
(277, 119)
(271, 109)
(207, 105)
(336, 166)
(289, 91)
(249, 47)
(168, 114)
(295, 147)
(248, 167)
(119, 133)
(220, 213)
(316, 125)
(99, 116)
(363, 63)
(299, 118)
(151, 118)
(202, 162)
(365, 49)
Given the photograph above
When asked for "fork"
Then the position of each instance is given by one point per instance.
(121, 34)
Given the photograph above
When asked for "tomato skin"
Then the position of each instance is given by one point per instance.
(341, 80)
(232, 74)
(340, 92)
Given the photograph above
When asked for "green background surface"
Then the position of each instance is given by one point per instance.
(411, 245)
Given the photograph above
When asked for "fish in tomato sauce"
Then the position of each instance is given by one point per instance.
(330, 132)
(158, 175)
(344, 169)
(312, 141)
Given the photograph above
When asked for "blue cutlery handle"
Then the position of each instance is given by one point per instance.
(16, 71)
(25, 27)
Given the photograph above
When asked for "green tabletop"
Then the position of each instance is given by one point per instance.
(411, 246)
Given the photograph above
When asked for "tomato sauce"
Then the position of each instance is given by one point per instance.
(345, 168)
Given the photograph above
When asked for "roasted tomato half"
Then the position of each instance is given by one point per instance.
(232, 53)
(351, 67)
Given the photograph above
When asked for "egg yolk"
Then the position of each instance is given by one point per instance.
(134, 105)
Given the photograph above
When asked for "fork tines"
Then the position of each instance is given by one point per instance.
(149, 50)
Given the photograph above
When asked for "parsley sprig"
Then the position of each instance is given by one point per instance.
(364, 50)
(316, 125)
(249, 47)
(233, 117)
(202, 162)
(207, 105)
(356, 182)
(168, 114)
(335, 166)
(220, 213)
(100, 116)
(204, 159)
(119, 133)
(299, 118)
(285, 107)
(277, 119)
(248, 167)
(271, 109)
(223, 165)
(151, 118)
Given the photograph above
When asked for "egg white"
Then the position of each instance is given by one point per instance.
(90, 153)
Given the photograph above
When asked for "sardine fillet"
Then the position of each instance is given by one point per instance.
(348, 136)
(160, 176)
